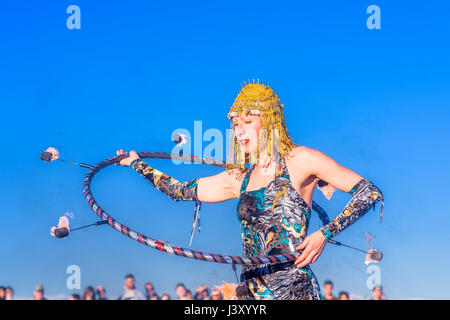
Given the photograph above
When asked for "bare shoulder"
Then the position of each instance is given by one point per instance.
(222, 186)
(314, 163)
(304, 153)
(230, 177)
(234, 179)
(234, 175)
(307, 159)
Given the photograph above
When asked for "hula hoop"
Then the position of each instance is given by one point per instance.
(163, 246)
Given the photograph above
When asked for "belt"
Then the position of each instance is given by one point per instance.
(266, 269)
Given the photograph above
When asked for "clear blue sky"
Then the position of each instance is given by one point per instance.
(377, 101)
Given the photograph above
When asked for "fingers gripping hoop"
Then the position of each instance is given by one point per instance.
(163, 246)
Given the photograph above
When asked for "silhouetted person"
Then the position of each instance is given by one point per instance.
(377, 293)
(130, 292)
(39, 293)
(89, 293)
(328, 289)
(343, 296)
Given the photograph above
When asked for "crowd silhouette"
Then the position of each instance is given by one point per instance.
(203, 292)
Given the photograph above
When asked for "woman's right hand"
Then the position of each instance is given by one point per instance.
(127, 161)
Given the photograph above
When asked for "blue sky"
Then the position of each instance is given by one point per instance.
(377, 101)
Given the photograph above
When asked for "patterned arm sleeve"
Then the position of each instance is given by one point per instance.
(365, 196)
(174, 189)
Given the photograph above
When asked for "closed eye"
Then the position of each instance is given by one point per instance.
(248, 121)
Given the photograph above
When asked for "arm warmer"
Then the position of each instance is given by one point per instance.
(174, 189)
(365, 196)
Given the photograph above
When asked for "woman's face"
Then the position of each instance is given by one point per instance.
(246, 130)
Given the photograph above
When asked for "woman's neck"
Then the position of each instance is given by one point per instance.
(266, 165)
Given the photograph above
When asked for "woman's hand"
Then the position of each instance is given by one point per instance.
(127, 161)
(312, 247)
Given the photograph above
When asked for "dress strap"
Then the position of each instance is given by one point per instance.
(246, 179)
(282, 170)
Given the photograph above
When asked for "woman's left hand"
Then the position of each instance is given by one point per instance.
(128, 160)
(312, 247)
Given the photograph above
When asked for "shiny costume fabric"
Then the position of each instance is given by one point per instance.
(365, 196)
(274, 220)
(174, 189)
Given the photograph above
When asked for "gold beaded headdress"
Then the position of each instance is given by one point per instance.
(274, 139)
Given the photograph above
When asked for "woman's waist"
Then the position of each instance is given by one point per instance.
(262, 248)
(254, 271)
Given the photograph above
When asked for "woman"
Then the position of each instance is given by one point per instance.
(275, 195)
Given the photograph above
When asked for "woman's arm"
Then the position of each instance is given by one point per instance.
(365, 193)
(365, 196)
(216, 188)
(323, 167)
